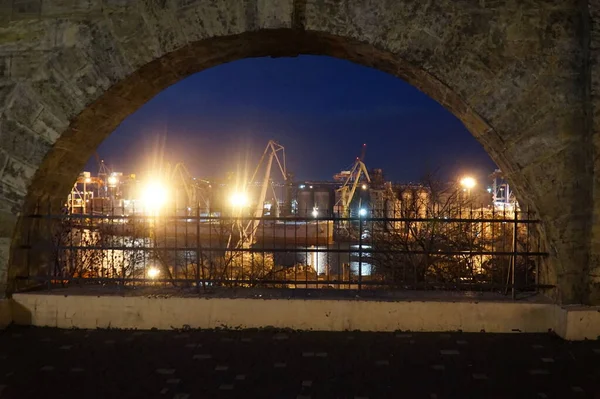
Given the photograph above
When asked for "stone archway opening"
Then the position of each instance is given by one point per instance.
(96, 122)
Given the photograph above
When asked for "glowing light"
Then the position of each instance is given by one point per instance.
(362, 212)
(315, 212)
(239, 200)
(113, 180)
(364, 186)
(88, 180)
(154, 196)
(468, 182)
(153, 272)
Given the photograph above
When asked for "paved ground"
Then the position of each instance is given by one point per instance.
(51, 363)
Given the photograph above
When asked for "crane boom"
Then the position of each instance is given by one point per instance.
(270, 153)
(346, 193)
(362, 169)
(182, 172)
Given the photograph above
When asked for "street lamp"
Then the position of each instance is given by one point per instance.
(112, 181)
(362, 212)
(154, 196)
(468, 182)
(238, 200)
(153, 272)
(315, 212)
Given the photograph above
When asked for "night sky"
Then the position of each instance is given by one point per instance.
(320, 108)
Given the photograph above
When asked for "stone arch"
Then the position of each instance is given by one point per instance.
(512, 72)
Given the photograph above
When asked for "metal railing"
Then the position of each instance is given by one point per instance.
(476, 249)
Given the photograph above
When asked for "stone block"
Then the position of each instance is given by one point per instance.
(23, 105)
(28, 35)
(57, 95)
(6, 90)
(26, 9)
(162, 25)
(86, 79)
(11, 201)
(5, 12)
(557, 130)
(271, 15)
(3, 160)
(26, 63)
(5, 66)
(22, 143)
(57, 7)
(102, 49)
(18, 175)
(85, 6)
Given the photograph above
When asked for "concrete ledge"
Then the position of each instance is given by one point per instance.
(6, 306)
(325, 315)
(580, 322)
(143, 312)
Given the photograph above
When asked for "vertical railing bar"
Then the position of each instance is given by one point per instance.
(317, 275)
(360, 254)
(515, 253)
(296, 253)
(199, 257)
(50, 223)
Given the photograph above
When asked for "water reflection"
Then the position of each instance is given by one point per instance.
(328, 263)
(87, 253)
(360, 267)
(126, 257)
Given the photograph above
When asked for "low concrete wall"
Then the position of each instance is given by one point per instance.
(325, 315)
(142, 312)
(6, 306)
(579, 323)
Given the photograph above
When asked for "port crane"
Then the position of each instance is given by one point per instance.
(79, 199)
(502, 196)
(348, 189)
(273, 152)
(192, 189)
(103, 173)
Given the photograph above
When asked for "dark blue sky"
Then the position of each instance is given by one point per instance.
(320, 108)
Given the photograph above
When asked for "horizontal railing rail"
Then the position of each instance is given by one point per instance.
(286, 219)
(315, 250)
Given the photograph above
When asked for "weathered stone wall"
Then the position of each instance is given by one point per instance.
(516, 72)
(592, 40)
